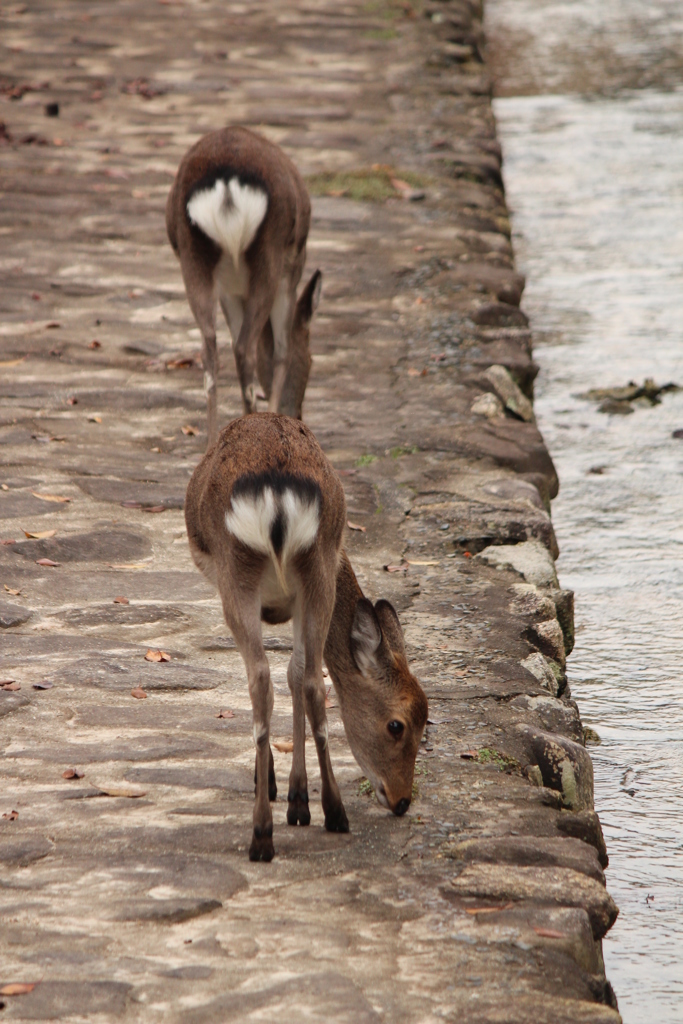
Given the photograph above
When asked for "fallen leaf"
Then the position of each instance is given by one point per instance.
(181, 363)
(488, 910)
(51, 497)
(467, 554)
(396, 568)
(52, 325)
(138, 693)
(347, 472)
(11, 590)
(94, 419)
(95, 344)
(417, 561)
(40, 535)
(284, 746)
(133, 794)
(45, 685)
(11, 815)
(157, 450)
(13, 362)
(154, 508)
(72, 773)
(355, 526)
(47, 561)
(460, 671)
(72, 401)
(128, 565)
(157, 655)
(549, 933)
(11, 686)
(7, 542)
(469, 755)
(413, 372)
(17, 988)
(121, 600)
(227, 713)
(131, 503)
(328, 698)
(189, 430)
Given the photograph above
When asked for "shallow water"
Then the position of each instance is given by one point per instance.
(596, 192)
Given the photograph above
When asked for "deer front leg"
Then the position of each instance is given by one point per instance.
(281, 322)
(261, 692)
(199, 288)
(256, 312)
(297, 798)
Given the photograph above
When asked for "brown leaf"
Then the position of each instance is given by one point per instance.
(127, 565)
(182, 363)
(396, 568)
(40, 535)
(121, 600)
(189, 430)
(72, 401)
(47, 561)
(469, 755)
(72, 773)
(284, 746)
(157, 655)
(328, 698)
(52, 325)
(44, 685)
(355, 526)
(11, 590)
(417, 561)
(549, 933)
(95, 344)
(50, 497)
(11, 815)
(113, 790)
(227, 713)
(138, 693)
(17, 988)
(131, 503)
(94, 419)
(11, 686)
(13, 362)
(155, 508)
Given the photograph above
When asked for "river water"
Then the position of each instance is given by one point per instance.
(590, 115)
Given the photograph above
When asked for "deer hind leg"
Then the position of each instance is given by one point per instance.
(200, 294)
(256, 313)
(281, 317)
(243, 616)
(297, 797)
(316, 622)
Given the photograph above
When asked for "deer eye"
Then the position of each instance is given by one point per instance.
(396, 729)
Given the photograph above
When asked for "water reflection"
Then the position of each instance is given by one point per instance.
(596, 192)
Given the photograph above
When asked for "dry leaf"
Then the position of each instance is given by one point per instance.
(469, 755)
(133, 794)
(50, 497)
(17, 988)
(396, 568)
(72, 773)
(414, 561)
(227, 713)
(328, 698)
(155, 508)
(95, 344)
(128, 565)
(189, 430)
(11, 590)
(52, 325)
(94, 419)
(13, 362)
(47, 561)
(11, 686)
(45, 685)
(355, 526)
(121, 600)
(549, 933)
(131, 503)
(157, 655)
(72, 401)
(284, 746)
(11, 815)
(182, 363)
(40, 535)
(413, 372)
(138, 693)
(488, 910)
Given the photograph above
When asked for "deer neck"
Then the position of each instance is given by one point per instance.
(337, 652)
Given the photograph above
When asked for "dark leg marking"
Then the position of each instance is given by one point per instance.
(262, 844)
(297, 809)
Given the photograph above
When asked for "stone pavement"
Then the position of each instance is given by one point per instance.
(126, 889)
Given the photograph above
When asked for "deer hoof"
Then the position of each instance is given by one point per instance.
(297, 811)
(336, 820)
(262, 844)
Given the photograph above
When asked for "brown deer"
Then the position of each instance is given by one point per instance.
(265, 516)
(237, 217)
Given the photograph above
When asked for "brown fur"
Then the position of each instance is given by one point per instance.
(276, 254)
(363, 645)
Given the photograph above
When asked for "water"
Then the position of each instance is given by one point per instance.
(594, 182)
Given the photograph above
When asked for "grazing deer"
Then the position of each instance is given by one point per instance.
(237, 217)
(265, 515)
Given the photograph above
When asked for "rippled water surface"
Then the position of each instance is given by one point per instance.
(595, 186)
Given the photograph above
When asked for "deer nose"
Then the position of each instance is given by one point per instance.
(402, 806)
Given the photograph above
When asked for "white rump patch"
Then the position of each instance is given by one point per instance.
(251, 517)
(229, 214)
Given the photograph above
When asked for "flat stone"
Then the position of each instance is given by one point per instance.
(20, 852)
(148, 495)
(13, 615)
(585, 825)
(532, 560)
(557, 716)
(499, 314)
(11, 700)
(120, 674)
(193, 972)
(124, 615)
(525, 850)
(171, 911)
(552, 885)
(509, 393)
(195, 778)
(105, 545)
(52, 1000)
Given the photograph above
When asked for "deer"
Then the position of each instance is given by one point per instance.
(265, 514)
(237, 217)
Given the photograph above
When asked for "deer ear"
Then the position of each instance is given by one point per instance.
(310, 297)
(366, 636)
(391, 627)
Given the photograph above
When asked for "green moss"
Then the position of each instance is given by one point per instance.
(503, 762)
(368, 184)
(365, 460)
(396, 453)
(365, 787)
